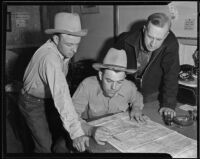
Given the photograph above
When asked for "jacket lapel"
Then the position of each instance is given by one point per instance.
(132, 54)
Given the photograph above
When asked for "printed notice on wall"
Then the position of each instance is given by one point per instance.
(189, 24)
(21, 19)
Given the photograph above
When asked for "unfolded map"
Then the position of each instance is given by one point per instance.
(151, 137)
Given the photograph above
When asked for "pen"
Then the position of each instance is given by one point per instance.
(116, 138)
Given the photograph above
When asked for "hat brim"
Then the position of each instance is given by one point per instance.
(79, 33)
(98, 66)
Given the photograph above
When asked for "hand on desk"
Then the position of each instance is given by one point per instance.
(136, 114)
(167, 112)
(101, 134)
(80, 143)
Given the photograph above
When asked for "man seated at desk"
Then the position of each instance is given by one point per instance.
(107, 93)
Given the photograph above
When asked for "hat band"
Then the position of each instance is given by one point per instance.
(82, 32)
(111, 65)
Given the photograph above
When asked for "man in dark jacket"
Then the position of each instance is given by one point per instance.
(153, 50)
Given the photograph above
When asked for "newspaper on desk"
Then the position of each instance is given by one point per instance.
(130, 137)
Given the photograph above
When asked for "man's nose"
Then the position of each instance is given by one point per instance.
(153, 42)
(113, 86)
(74, 48)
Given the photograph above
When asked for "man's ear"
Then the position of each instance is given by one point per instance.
(56, 39)
(100, 75)
(125, 75)
(144, 28)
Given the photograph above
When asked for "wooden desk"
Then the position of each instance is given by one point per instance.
(151, 110)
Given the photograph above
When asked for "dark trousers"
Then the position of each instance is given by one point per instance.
(43, 121)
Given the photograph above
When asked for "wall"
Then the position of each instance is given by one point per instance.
(186, 23)
(129, 15)
(185, 11)
(100, 33)
(101, 29)
(185, 27)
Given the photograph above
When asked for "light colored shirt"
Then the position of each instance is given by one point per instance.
(142, 59)
(90, 102)
(45, 77)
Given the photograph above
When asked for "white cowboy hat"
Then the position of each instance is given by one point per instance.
(67, 23)
(114, 60)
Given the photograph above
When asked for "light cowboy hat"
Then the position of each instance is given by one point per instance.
(67, 23)
(114, 60)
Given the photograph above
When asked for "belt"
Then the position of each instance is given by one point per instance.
(33, 97)
(24, 93)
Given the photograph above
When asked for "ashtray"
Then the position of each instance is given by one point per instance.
(183, 120)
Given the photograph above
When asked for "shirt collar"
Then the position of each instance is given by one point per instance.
(141, 46)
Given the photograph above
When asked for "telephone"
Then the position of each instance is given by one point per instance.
(187, 72)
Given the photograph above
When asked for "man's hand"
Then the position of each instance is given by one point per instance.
(101, 134)
(80, 143)
(167, 111)
(136, 114)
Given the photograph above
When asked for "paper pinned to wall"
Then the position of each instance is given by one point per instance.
(173, 11)
(21, 19)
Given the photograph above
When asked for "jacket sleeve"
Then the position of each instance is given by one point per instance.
(171, 67)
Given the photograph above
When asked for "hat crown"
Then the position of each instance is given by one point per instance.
(67, 21)
(114, 60)
(116, 57)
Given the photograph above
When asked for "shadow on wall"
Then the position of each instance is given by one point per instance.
(110, 41)
(35, 37)
(18, 58)
(106, 46)
(78, 71)
(16, 65)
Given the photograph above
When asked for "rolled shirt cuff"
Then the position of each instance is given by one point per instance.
(74, 129)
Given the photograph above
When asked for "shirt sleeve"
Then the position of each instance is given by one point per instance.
(80, 98)
(81, 101)
(136, 97)
(62, 98)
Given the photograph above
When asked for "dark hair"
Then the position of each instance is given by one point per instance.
(159, 19)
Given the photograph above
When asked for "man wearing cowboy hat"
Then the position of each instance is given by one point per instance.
(107, 93)
(45, 78)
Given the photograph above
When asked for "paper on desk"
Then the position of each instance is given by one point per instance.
(150, 137)
(187, 107)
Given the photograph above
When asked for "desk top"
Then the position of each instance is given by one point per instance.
(151, 110)
(192, 84)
